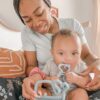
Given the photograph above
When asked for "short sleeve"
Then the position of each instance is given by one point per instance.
(27, 43)
(78, 28)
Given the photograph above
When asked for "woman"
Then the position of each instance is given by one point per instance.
(40, 25)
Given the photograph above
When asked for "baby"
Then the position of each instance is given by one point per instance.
(66, 48)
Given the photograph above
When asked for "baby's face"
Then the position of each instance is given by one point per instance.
(67, 50)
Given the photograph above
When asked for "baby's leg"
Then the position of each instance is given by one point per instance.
(77, 94)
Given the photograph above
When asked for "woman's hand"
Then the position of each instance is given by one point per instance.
(76, 79)
(28, 86)
(94, 84)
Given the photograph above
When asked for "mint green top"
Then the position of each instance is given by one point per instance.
(33, 41)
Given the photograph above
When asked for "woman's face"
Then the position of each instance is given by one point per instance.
(36, 15)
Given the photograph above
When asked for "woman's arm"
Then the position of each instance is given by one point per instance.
(28, 82)
(31, 60)
(87, 55)
(94, 63)
(82, 81)
(91, 59)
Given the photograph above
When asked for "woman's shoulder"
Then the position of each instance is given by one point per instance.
(27, 32)
(25, 29)
(68, 20)
(69, 23)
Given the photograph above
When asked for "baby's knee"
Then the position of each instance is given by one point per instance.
(77, 93)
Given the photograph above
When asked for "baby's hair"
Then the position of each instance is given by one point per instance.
(62, 32)
(16, 7)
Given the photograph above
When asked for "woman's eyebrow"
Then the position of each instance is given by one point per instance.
(32, 12)
(36, 9)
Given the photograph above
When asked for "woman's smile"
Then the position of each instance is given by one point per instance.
(41, 27)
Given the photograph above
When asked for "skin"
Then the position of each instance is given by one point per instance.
(26, 9)
(67, 50)
(76, 94)
(37, 16)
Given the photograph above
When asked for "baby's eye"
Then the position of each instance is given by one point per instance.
(75, 53)
(60, 53)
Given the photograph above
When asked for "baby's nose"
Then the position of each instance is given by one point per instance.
(67, 59)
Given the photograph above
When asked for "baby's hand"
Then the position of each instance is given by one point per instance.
(71, 77)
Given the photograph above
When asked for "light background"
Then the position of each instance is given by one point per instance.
(83, 10)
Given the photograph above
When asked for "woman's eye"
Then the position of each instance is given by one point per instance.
(27, 21)
(40, 14)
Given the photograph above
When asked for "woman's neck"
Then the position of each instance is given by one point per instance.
(54, 26)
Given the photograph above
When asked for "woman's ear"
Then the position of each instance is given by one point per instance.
(54, 11)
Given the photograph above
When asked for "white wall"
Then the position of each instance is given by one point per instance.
(82, 10)
(9, 39)
(8, 14)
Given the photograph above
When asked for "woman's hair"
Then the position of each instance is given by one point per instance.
(64, 33)
(16, 7)
(48, 3)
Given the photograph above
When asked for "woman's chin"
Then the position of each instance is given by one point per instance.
(43, 31)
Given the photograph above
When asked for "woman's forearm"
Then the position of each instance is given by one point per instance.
(96, 64)
(87, 55)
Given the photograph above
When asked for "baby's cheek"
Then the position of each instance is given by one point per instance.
(74, 64)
